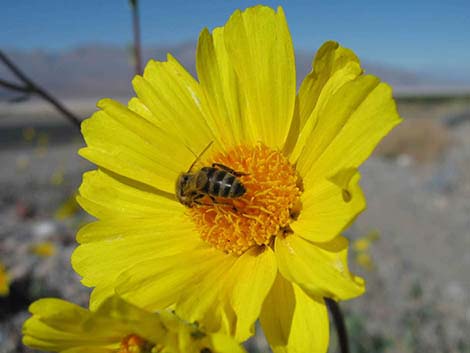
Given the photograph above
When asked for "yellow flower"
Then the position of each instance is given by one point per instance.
(43, 249)
(116, 326)
(361, 248)
(4, 281)
(274, 251)
(68, 208)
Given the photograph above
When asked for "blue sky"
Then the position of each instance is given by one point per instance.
(417, 35)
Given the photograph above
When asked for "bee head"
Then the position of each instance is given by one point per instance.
(181, 188)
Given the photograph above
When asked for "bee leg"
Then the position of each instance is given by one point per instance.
(228, 204)
(235, 209)
(198, 196)
(222, 203)
(197, 202)
(227, 169)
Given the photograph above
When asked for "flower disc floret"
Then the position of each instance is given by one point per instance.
(135, 344)
(270, 202)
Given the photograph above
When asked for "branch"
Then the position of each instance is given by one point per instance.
(136, 29)
(31, 87)
(338, 320)
(14, 87)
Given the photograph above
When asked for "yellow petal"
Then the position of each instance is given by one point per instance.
(320, 269)
(107, 195)
(222, 292)
(103, 291)
(137, 106)
(332, 68)
(294, 131)
(116, 316)
(292, 321)
(160, 282)
(57, 325)
(349, 125)
(260, 49)
(125, 143)
(68, 312)
(173, 97)
(253, 275)
(223, 343)
(330, 59)
(220, 89)
(201, 301)
(229, 297)
(111, 247)
(89, 349)
(330, 206)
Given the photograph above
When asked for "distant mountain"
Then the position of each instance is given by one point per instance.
(98, 70)
(89, 71)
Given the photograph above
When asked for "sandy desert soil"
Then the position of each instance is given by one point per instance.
(418, 190)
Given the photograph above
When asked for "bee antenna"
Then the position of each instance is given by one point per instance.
(200, 155)
(190, 150)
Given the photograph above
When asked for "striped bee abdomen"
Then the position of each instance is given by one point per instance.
(221, 183)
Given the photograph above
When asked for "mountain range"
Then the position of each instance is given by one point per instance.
(99, 70)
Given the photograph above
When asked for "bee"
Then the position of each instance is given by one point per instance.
(217, 180)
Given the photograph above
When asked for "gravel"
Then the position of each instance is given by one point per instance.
(418, 296)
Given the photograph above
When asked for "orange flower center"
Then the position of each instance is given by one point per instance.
(270, 202)
(135, 344)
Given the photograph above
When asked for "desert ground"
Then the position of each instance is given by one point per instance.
(412, 244)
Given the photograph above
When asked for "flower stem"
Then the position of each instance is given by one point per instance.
(340, 326)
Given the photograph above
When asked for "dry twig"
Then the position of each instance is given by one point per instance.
(30, 87)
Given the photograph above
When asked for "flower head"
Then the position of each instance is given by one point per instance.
(362, 246)
(43, 249)
(4, 281)
(116, 327)
(268, 177)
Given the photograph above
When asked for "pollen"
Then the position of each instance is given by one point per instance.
(135, 344)
(271, 201)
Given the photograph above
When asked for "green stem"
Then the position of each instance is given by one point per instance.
(338, 320)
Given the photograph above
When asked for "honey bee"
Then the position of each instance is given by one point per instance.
(217, 180)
